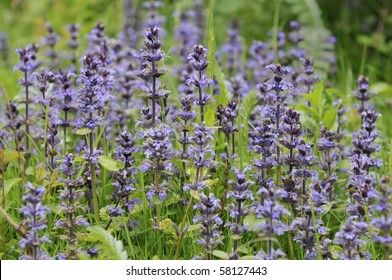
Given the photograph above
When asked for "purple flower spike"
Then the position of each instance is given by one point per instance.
(34, 222)
(208, 218)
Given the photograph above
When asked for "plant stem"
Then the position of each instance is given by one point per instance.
(93, 179)
(180, 230)
(27, 112)
(16, 226)
(201, 100)
(238, 220)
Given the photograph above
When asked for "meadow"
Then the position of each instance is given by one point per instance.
(195, 130)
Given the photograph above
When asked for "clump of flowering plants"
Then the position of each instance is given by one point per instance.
(158, 143)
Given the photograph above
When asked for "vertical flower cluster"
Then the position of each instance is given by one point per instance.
(98, 40)
(310, 230)
(291, 128)
(151, 72)
(209, 220)
(125, 177)
(275, 105)
(27, 64)
(158, 150)
(260, 57)
(226, 117)
(384, 221)
(363, 95)
(154, 18)
(14, 122)
(349, 238)
(4, 49)
(233, 49)
(70, 196)
(94, 92)
(187, 34)
(361, 182)
(73, 44)
(130, 28)
(307, 78)
(304, 161)
(50, 41)
(198, 60)
(34, 222)
(239, 87)
(237, 210)
(263, 144)
(329, 149)
(186, 114)
(66, 98)
(201, 154)
(272, 212)
(296, 37)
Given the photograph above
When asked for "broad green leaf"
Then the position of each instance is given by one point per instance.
(82, 131)
(195, 194)
(248, 257)
(79, 159)
(9, 184)
(252, 222)
(192, 228)
(167, 226)
(317, 96)
(329, 118)
(220, 254)
(211, 41)
(210, 182)
(103, 214)
(108, 246)
(235, 237)
(308, 110)
(209, 117)
(223, 97)
(109, 163)
(189, 128)
(10, 155)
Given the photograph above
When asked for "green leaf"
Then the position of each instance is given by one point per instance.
(329, 118)
(9, 184)
(79, 159)
(252, 222)
(223, 97)
(109, 247)
(317, 96)
(167, 226)
(308, 110)
(82, 131)
(211, 41)
(210, 182)
(235, 236)
(10, 155)
(109, 163)
(195, 194)
(192, 228)
(220, 254)
(189, 128)
(209, 117)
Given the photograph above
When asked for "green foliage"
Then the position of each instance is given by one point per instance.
(109, 247)
(109, 163)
